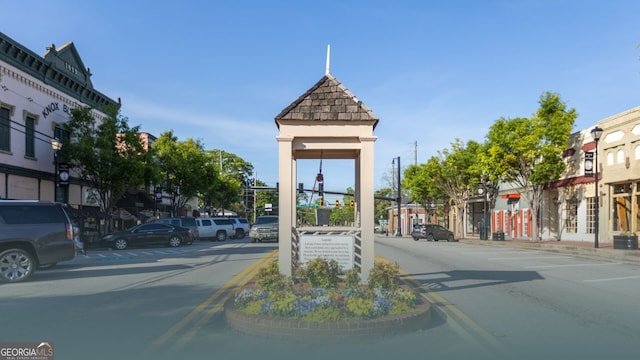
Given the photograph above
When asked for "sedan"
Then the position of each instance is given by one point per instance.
(148, 234)
(432, 232)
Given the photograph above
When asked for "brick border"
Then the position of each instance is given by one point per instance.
(336, 331)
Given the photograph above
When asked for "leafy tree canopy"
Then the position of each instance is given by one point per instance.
(106, 153)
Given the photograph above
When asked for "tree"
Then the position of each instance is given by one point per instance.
(183, 168)
(230, 176)
(448, 176)
(458, 169)
(382, 206)
(527, 151)
(107, 154)
(265, 197)
(421, 181)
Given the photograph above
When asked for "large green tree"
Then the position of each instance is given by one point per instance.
(183, 168)
(229, 180)
(527, 151)
(107, 153)
(449, 176)
(422, 182)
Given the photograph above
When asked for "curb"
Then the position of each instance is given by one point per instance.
(583, 250)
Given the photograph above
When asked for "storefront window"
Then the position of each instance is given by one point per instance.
(571, 216)
(591, 215)
(622, 207)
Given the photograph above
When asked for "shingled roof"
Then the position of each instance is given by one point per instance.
(327, 100)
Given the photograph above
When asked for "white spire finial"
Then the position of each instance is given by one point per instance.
(326, 70)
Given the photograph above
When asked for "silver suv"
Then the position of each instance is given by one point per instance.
(265, 228)
(33, 234)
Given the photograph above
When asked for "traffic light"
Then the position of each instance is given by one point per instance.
(321, 202)
(352, 203)
(337, 203)
(300, 188)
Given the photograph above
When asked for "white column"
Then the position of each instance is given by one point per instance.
(366, 204)
(285, 193)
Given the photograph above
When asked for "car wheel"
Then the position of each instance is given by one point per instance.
(175, 241)
(451, 238)
(415, 238)
(221, 236)
(120, 244)
(239, 234)
(430, 237)
(16, 265)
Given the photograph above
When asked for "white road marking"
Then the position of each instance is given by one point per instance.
(569, 265)
(529, 257)
(613, 279)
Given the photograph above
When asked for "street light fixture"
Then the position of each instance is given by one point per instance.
(596, 133)
(56, 145)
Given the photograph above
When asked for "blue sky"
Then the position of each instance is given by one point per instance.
(432, 71)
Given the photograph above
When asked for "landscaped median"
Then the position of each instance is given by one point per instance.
(321, 307)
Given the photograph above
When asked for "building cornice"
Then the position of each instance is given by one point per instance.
(71, 80)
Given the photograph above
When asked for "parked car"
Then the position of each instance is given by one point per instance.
(183, 221)
(432, 232)
(217, 228)
(241, 227)
(33, 234)
(148, 234)
(265, 228)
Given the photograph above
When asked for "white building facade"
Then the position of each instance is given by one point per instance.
(37, 94)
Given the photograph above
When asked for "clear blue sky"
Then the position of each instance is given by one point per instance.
(432, 71)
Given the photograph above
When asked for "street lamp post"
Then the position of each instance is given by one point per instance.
(56, 145)
(483, 191)
(596, 133)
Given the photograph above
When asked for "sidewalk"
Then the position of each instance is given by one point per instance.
(578, 248)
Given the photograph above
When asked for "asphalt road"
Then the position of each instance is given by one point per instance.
(488, 303)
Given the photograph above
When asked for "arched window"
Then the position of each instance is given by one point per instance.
(620, 156)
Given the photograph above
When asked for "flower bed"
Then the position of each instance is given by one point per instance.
(274, 307)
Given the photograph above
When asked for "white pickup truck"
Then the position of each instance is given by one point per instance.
(218, 228)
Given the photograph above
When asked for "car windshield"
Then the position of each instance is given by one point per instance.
(266, 220)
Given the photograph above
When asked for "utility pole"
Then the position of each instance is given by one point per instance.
(255, 197)
(399, 198)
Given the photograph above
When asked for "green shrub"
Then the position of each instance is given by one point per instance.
(253, 308)
(283, 303)
(360, 307)
(269, 278)
(384, 275)
(399, 308)
(324, 315)
(352, 278)
(321, 273)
